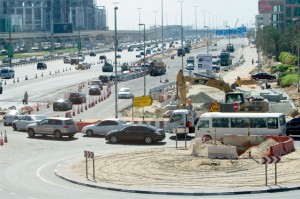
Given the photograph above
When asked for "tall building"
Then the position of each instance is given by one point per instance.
(283, 12)
(36, 15)
(264, 14)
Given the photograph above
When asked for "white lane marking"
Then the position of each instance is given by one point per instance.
(38, 173)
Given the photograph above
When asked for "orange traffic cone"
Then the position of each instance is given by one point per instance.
(78, 110)
(81, 108)
(1, 140)
(5, 137)
(99, 100)
(73, 112)
(37, 107)
(85, 106)
(89, 104)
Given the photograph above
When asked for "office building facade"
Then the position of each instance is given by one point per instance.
(38, 15)
(283, 12)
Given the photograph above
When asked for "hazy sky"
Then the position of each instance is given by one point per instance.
(220, 12)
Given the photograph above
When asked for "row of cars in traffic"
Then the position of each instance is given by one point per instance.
(114, 130)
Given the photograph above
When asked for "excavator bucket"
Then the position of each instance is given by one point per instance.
(181, 87)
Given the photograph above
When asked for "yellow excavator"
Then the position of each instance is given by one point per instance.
(245, 105)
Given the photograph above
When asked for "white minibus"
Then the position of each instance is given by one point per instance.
(7, 73)
(216, 124)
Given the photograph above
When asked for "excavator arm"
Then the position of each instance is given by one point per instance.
(209, 81)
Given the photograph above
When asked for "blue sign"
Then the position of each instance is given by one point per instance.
(235, 31)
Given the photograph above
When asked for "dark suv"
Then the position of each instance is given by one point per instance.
(180, 52)
(293, 127)
(104, 79)
(77, 97)
(41, 65)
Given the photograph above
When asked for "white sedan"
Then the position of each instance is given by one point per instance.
(125, 93)
(190, 66)
(104, 126)
(24, 120)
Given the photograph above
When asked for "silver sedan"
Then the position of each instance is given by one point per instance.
(23, 121)
(104, 126)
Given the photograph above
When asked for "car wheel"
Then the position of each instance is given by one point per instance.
(148, 140)
(31, 133)
(57, 134)
(14, 127)
(113, 139)
(71, 136)
(89, 133)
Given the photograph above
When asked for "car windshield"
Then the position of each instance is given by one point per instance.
(39, 117)
(124, 90)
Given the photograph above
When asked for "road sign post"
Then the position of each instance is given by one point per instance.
(236, 106)
(271, 160)
(89, 154)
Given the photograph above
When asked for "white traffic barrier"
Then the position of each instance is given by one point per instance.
(222, 152)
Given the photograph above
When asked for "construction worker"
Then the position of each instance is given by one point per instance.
(25, 99)
(238, 81)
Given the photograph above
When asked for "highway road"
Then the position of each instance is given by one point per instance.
(27, 165)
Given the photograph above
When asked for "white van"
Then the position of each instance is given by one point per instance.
(7, 73)
(216, 124)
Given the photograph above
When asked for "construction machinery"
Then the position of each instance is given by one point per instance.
(186, 116)
(157, 68)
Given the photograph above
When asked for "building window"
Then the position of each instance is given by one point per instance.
(288, 11)
(297, 11)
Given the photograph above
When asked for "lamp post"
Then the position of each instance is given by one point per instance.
(298, 53)
(144, 72)
(139, 23)
(181, 34)
(116, 74)
(162, 28)
(228, 32)
(144, 57)
(207, 48)
(196, 25)
(155, 24)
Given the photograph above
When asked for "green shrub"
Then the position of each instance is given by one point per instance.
(288, 80)
(281, 68)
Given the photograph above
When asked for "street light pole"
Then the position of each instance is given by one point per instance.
(196, 26)
(116, 74)
(207, 50)
(144, 57)
(228, 32)
(139, 23)
(155, 24)
(181, 34)
(162, 28)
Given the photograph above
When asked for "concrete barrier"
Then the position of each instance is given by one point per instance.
(222, 152)
(80, 125)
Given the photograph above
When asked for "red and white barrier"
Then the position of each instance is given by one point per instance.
(162, 98)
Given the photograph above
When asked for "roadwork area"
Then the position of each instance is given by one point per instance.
(174, 169)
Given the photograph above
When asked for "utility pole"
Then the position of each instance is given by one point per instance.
(196, 25)
(116, 74)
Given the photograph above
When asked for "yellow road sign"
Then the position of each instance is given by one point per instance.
(142, 101)
(215, 107)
